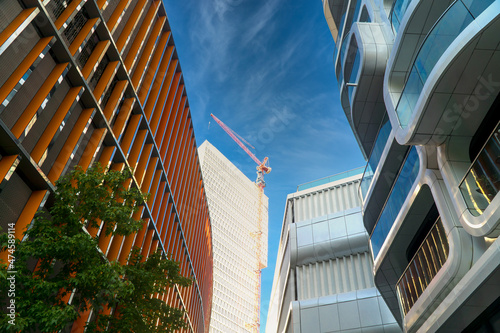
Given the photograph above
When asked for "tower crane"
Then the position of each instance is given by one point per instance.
(262, 169)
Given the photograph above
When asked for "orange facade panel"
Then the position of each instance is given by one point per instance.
(141, 35)
(16, 25)
(79, 109)
(84, 33)
(152, 70)
(147, 53)
(131, 23)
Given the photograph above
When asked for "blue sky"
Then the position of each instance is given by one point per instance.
(264, 67)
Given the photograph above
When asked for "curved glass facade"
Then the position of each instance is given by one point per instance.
(347, 25)
(400, 190)
(339, 67)
(354, 74)
(376, 154)
(456, 18)
(398, 10)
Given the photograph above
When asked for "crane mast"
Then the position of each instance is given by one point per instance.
(262, 168)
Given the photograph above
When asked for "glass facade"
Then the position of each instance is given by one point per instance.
(330, 179)
(398, 10)
(400, 190)
(375, 155)
(343, 34)
(456, 18)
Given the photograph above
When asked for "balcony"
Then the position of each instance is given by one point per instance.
(363, 57)
(400, 190)
(346, 24)
(423, 267)
(450, 25)
(482, 181)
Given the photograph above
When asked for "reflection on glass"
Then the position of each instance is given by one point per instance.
(330, 179)
(375, 155)
(356, 11)
(398, 195)
(482, 182)
(424, 266)
(456, 18)
(351, 18)
(341, 27)
(398, 10)
(354, 74)
(340, 64)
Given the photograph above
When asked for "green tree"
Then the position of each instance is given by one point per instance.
(61, 272)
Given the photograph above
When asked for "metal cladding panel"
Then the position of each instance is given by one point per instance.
(362, 310)
(66, 125)
(334, 276)
(316, 202)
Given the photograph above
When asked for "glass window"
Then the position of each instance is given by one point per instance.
(402, 187)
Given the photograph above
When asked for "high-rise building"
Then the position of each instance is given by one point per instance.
(323, 280)
(85, 81)
(419, 83)
(233, 202)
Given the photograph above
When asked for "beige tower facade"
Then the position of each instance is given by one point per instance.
(233, 202)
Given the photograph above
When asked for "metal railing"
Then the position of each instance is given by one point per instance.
(57, 7)
(423, 267)
(75, 26)
(87, 50)
(98, 72)
(481, 183)
(329, 179)
(108, 93)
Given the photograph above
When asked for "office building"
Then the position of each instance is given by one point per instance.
(85, 81)
(323, 280)
(233, 203)
(419, 84)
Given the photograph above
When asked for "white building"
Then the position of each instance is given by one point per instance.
(233, 202)
(323, 280)
(419, 82)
